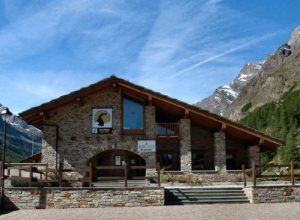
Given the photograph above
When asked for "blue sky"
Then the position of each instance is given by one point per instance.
(184, 49)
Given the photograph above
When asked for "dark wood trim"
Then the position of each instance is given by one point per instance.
(132, 131)
(186, 113)
(223, 127)
(142, 93)
(150, 100)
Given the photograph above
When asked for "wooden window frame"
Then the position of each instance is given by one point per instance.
(132, 131)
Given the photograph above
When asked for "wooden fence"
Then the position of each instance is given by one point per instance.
(41, 173)
(256, 172)
(167, 129)
(126, 169)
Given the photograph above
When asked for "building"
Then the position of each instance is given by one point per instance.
(113, 122)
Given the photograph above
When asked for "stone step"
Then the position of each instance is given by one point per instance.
(177, 196)
(206, 191)
(206, 196)
(208, 201)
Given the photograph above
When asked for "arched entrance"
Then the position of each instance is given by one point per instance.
(114, 159)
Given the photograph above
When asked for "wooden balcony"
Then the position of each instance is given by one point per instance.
(167, 129)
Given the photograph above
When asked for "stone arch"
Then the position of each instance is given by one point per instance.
(116, 159)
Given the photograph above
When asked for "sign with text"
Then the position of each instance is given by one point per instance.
(146, 146)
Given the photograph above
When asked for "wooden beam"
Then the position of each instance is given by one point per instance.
(115, 87)
(261, 142)
(150, 103)
(79, 100)
(186, 113)
(223, 127)
(208, 116)
(45, 115)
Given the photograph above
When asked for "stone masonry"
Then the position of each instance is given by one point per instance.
(150, 127)
(61, 198)
(77, 144)
(273, 193)
(253, 155)
(220, 151)
(185, 145)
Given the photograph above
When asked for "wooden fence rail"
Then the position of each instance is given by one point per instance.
(167, 129)
(42, 173)
(255, 173)
(126, 168)
(46, 174)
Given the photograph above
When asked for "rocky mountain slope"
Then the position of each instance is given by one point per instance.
(258, 83)
(22, 139)
(225, 95)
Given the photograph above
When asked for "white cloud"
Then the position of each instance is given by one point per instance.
(182, 48)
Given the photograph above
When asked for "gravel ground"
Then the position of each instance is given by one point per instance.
(280, 211)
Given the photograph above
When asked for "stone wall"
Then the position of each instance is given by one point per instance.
(37, 198)
(272, 194)
(276, 194)
(76, 143)
(249, 193)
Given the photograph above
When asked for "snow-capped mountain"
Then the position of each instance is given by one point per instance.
(22, 139)
(247, 87)
(223, 96)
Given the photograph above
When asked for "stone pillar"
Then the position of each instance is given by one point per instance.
(253, 155)
(150, 126)
(220, 151)
(49, 147)
(150, 122)
(185, 145)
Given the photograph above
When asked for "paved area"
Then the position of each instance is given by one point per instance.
(277, 211)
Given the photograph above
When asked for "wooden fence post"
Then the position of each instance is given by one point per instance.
(292, 173)
(244, 175)
(60, 174)
(46, 173)
(254, 173)
(30, 175)
(158, 174)
(90, 174)
(125, 174)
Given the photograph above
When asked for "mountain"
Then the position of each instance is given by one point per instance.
(225, 95)
(23, 140)
(258, 83)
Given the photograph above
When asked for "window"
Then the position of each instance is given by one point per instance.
(197, 161)
(168, 155)
(203, 159)
(133, 115)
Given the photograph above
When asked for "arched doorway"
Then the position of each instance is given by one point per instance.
(114, 159)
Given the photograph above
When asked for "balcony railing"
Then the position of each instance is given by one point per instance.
(167, 129)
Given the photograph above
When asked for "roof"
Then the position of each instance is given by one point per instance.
(36, 158)
(34, 116)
